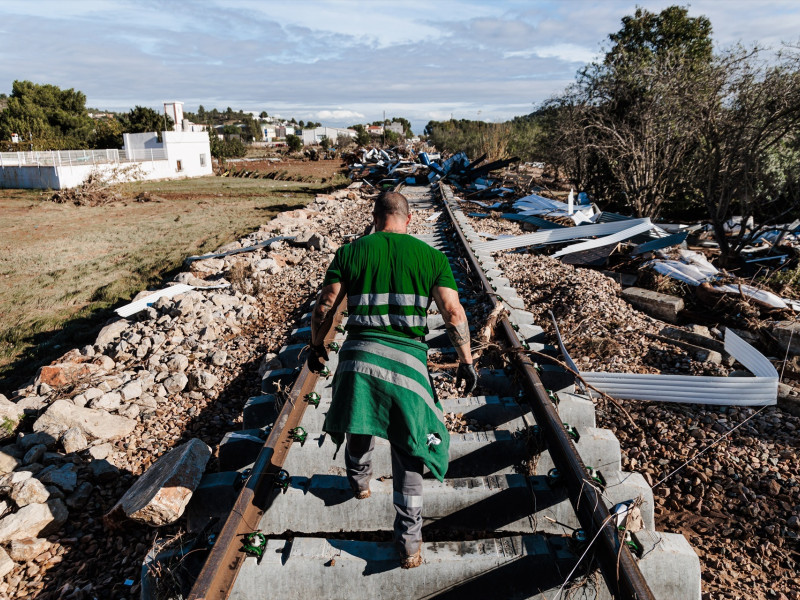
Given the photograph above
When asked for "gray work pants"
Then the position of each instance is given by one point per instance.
(406, 481)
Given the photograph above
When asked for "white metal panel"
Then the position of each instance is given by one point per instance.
(605, 240)
(761, 390)
(142, 303)
(552, 236)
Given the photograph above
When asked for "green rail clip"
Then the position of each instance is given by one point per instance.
(282, 480)
(334, 346)
(298, 434)
(572, 432)
(313, 398)
(254, 544)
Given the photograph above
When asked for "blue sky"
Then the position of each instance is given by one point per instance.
(338, 62)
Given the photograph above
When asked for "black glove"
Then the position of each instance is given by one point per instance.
(316, 358)
(469, 375)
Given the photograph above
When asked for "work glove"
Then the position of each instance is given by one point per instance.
(469, 375)
(316, 358)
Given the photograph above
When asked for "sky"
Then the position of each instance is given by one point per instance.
(339, 62)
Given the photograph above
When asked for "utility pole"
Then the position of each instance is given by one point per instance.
(384, 129)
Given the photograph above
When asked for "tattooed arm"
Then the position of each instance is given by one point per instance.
(455, 321)
(322, 317)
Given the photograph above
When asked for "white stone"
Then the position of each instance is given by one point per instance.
(111, 332)
(27, 549)
(32, 520)
(131, 390)
(160, 496)
(108, 401)
(6, 564)
(97, 424)
(30, 491)
(177, 362)
(73, 440)
(100, 451)
(176, 383)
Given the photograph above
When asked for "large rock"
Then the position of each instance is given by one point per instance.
(97, 424)
(32, 520)
(8, 462)
(160, 496)
(6, 564)
(27, 549)
(176, 383)
(10, 414)
(30, 491)
(64, 478)
(73, 440)
(108, 401)
(61, 374)
(111, 332)
(131, 390)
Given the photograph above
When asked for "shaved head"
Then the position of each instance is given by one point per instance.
(391, 204)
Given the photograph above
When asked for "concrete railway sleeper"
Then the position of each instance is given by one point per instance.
(519, 514)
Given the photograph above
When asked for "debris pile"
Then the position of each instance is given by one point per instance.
(127, 421)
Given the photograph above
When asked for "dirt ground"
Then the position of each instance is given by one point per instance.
(322, 169)
(63, 267)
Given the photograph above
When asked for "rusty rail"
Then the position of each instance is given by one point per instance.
(620, 571)
(222, 565)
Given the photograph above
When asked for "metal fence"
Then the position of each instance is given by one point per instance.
(71, 158)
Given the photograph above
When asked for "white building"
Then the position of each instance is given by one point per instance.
(314, 136)
(181, 154)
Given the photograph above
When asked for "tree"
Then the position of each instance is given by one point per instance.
(222, 149)
(141, 119)
(263, 115)
(325, 143)
(201, 114)
(252, 130)
(51, 117)
(627, 127)
(749, 145)
(294, 143)
(362, 136)
(301, 124)
(107, 134)
(392, 138)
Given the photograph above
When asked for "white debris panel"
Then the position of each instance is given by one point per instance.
(539, 205)
(554, 236)
(761, 390)
(693, 268)
(150, 299)
(607, 240)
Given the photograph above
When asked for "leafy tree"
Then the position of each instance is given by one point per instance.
(222, 149)
(231, 130)
(325, 143)
(201, 114)
(141, 119)
(55, 118)
(294, 143)
(263, 114)
(362, 136)
(252, 130)
(301, 123)
(392, 137)
(107, 134)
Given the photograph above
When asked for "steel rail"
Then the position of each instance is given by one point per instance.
(222, 565)
(620, 570)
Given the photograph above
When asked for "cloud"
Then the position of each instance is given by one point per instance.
(565, 52)
(339, 115)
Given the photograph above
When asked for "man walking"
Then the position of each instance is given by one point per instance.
(382, 386)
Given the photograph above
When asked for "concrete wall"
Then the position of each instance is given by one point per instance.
(314, 136)
(182, 147)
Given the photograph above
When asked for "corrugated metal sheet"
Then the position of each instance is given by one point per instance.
(142, 303)
(761, 390)
(606, 240)
(659, 244)
(553, 236)
(533, 220)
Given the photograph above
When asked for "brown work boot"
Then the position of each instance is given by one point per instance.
(410, 562)
(362, 494)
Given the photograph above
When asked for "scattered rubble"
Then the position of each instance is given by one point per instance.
(180, 369)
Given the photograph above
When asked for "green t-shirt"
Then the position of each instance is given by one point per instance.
(389, 278)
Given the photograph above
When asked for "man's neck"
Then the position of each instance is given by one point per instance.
(395, 229)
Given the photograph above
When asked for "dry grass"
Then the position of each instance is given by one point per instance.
(63, 267)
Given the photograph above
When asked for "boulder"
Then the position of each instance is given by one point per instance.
(10, 414)
(29, 440)
(177, 363)
(35, 454)
(111, 332)
(30, 491)
(203, 380)
(96, 424)
(131, 390)
(8, 462)
(6, 563)
(100, 451)
(27, 549)
(73, 440)
(80, 496)
(108, 401)
(32, 520)
(176, 383)
(103, 471)
(161, 494)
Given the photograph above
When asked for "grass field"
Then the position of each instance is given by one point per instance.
(63, 267)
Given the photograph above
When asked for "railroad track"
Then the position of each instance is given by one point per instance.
(524, 511)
